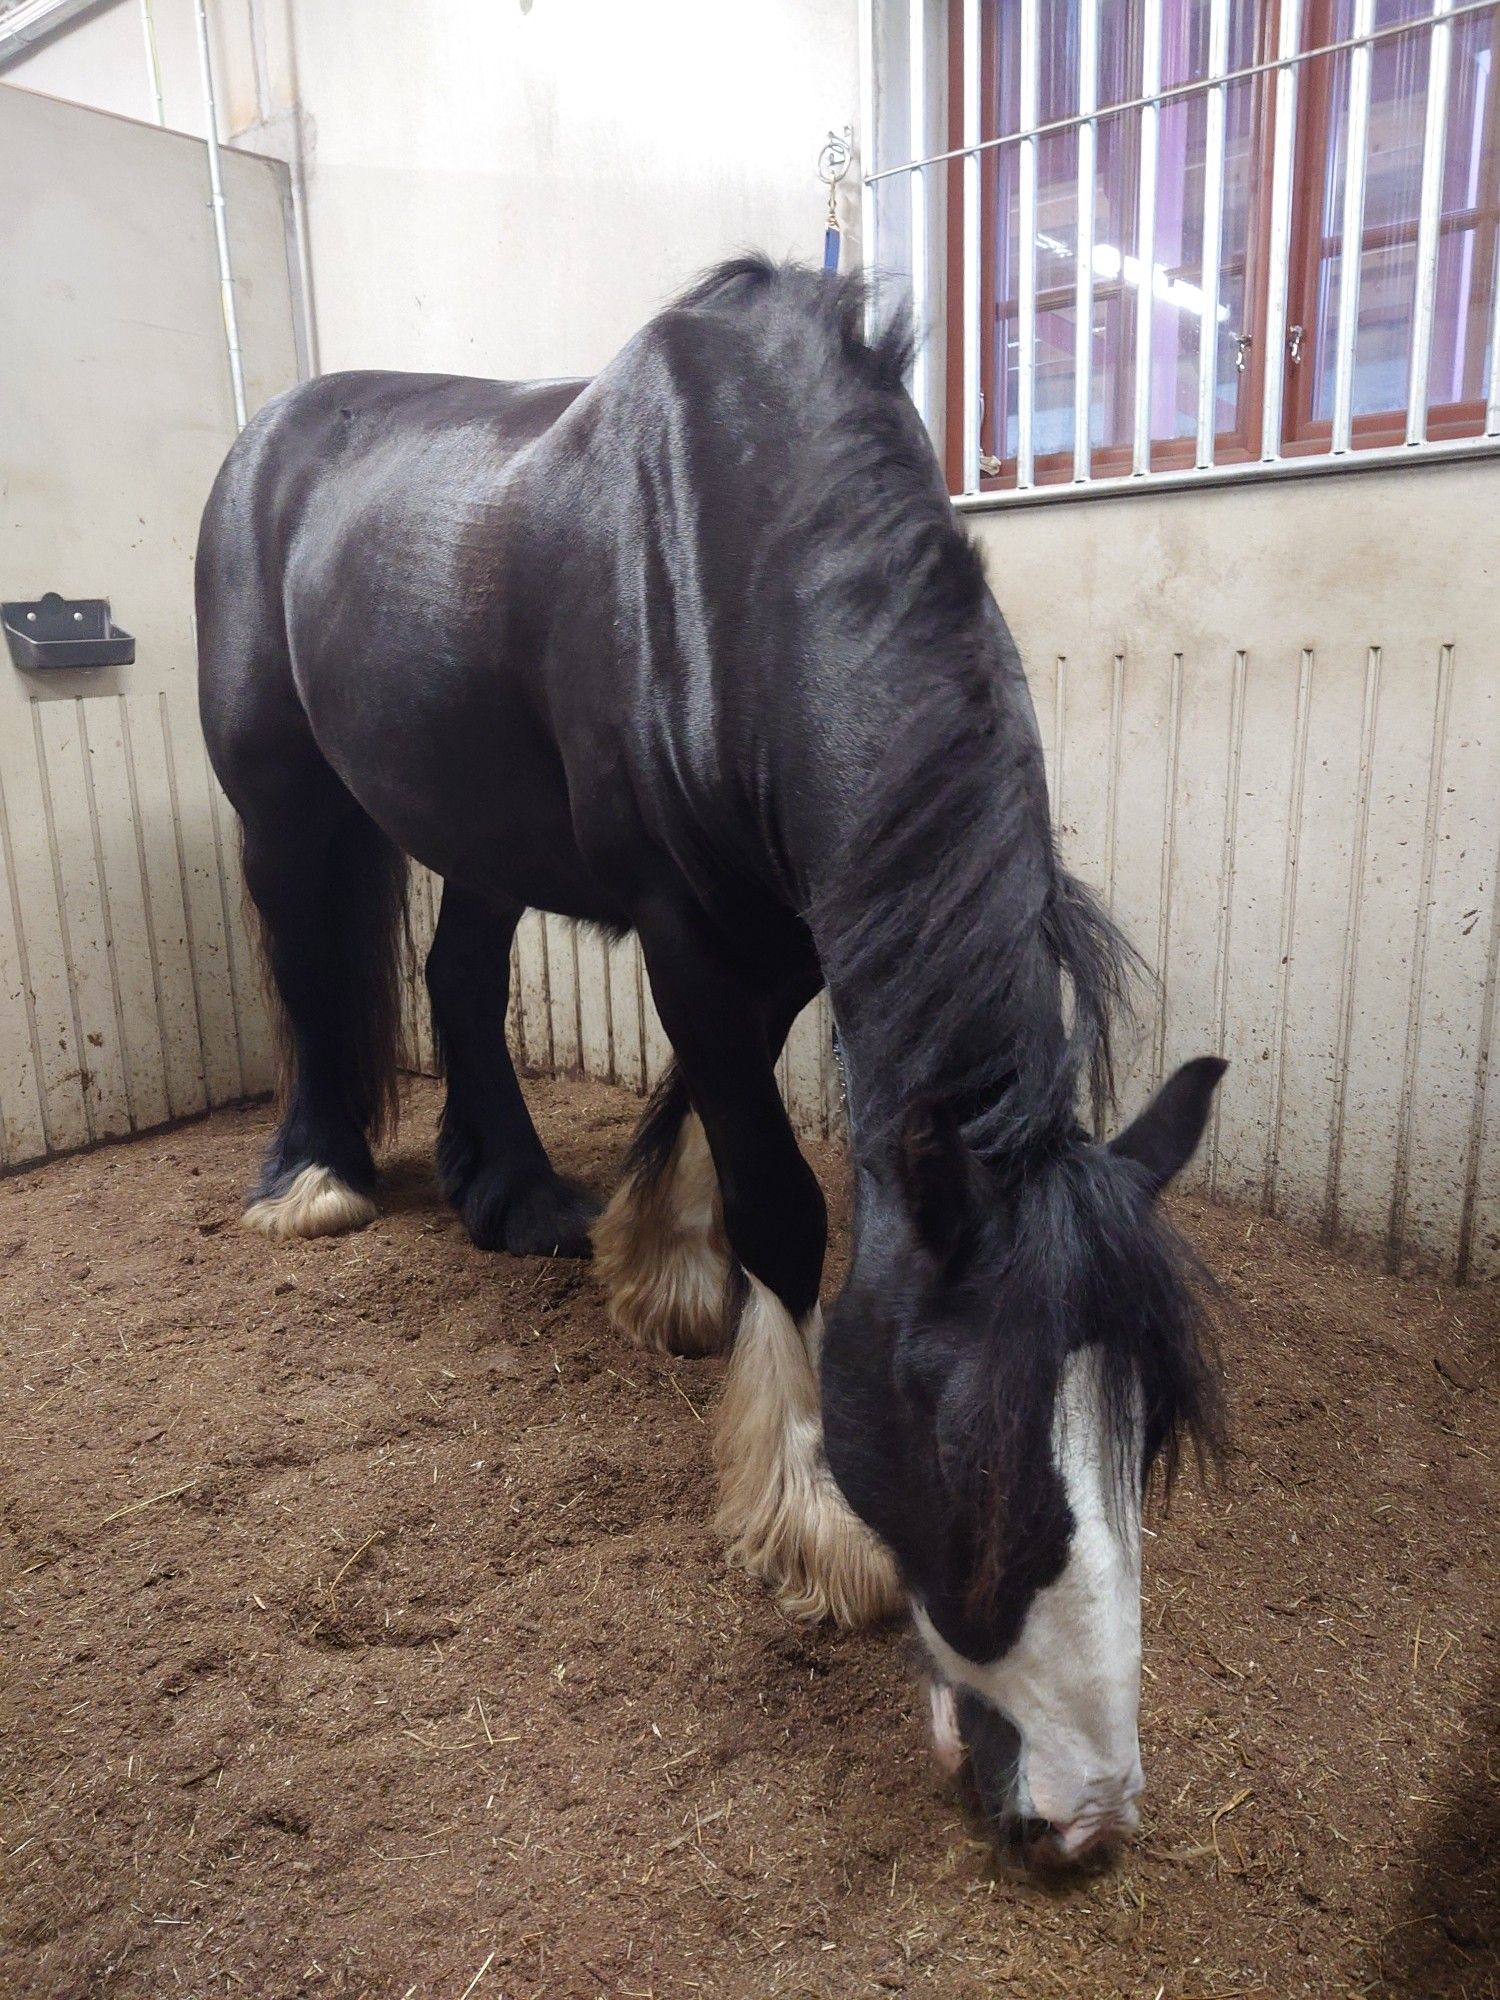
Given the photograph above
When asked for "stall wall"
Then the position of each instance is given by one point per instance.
(504, 187)
(1272, 717)
(1272, 724)
(510, 189)
(127, 990)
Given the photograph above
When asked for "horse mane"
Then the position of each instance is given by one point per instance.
(972, 970)
(951, 935)
(868, 486)
(969, 968)
(946, 921)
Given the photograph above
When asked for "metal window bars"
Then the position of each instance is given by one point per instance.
(920, 24)
(1429, 218)
(1083, 276)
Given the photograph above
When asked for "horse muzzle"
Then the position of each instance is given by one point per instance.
(970, 1731)
(1090, 1838)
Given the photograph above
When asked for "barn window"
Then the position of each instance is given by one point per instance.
(1127, 221)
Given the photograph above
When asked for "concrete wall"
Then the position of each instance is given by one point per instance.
(127, 991)
(1272, 724)
(505, 187)
(1272, 716)
(512, 188)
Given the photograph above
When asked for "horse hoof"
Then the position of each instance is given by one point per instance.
(545, 1218)
(313, 1201)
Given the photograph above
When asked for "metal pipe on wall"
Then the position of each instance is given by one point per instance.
(1174, 93)
(1273, 374)
(1246, 472)
(1026, 251)
(916, 78)
(1213, 230)
(869, 248)
(1083, 298)
(153, 63)
(298, 246)
(221, 217)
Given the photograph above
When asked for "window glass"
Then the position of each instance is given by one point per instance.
(1392, 203)
(1471, 211)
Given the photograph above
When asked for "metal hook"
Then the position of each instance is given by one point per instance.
(835, 156)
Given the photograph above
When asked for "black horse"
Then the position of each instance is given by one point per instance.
(698, 650)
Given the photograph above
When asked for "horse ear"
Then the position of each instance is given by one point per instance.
(1166, 1135)
(937, 1178)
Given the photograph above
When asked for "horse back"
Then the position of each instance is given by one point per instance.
(342, 614)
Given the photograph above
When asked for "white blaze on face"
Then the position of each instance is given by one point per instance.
(1071, 1682)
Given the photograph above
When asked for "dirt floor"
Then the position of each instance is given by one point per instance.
(366, 1635)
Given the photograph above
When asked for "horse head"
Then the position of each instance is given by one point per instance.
(1017, 1348)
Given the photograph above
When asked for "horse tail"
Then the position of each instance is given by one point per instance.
(366, 892)
(656, 1136)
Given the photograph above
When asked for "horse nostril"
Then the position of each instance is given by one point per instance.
(1087, 1842)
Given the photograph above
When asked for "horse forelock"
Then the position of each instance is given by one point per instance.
(1086, 1261)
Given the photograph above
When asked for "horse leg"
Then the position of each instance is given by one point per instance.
(491, 1164)
(779, 1509)
(662, 1254)
(329, 889)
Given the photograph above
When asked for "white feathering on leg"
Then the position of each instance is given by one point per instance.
(317, 1203)
(660, 1252)
(779, 1508)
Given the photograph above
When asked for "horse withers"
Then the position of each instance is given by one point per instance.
(697, 649)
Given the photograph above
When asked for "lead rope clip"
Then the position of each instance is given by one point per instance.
(833, 165)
